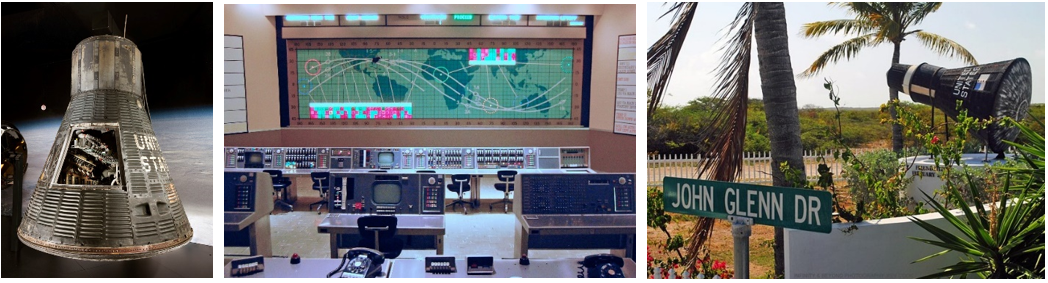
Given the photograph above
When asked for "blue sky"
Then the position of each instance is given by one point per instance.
(991, 31)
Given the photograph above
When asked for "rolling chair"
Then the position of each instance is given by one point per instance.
(321, 182)
(280, 186)
(506, 178)
(460, 184)
(379, 233)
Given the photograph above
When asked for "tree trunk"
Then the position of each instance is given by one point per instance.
(894, 95)
(780, 101)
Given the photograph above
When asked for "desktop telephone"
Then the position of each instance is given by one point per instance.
(360, 263)
(603, 266)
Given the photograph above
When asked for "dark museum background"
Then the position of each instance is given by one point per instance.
(38, 40)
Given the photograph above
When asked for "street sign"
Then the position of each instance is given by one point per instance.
(792, 208)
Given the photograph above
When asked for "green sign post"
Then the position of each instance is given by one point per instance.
(792, 208)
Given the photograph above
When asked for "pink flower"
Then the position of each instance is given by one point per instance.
(935, 139)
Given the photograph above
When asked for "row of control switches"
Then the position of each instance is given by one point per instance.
(447, 158)
(500, 158)
(302, 151)
(500, 152)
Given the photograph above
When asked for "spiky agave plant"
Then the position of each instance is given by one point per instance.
(1006, 240)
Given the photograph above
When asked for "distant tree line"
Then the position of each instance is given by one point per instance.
(675, 129)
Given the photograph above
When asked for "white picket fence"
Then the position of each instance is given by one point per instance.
(685, 275)
(756, 167)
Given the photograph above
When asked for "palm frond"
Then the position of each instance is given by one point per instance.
(732, 92)
(945, 47)
(725, 133)
(894, 22)
(674, 8)
(845, 50)
(846, 26)
(921, 10)
(662, 56)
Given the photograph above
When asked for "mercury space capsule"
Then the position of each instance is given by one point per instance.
(105, 192)
(994, 90)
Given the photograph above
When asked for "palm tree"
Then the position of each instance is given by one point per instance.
(765, 24)
(877, 23)
(780, 100)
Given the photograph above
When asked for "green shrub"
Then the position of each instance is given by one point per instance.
(877, 183)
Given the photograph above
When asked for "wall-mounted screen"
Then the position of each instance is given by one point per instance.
(435, 82)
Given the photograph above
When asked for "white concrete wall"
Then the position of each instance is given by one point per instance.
(876, 249)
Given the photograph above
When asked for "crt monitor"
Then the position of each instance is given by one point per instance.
(385, 192)
(385, 159)
(253, 159)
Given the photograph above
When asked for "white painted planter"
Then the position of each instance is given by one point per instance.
(871, 249)
(926, 179)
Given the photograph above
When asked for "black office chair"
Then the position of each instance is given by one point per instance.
(460, 184)
(321, 182)
(379, 232)
(506, 177)
(280, 187)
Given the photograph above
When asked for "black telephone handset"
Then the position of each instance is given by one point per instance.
(603, 266)
(359, 263)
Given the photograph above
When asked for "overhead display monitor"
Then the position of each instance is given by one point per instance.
(435, 82)
(254, 159)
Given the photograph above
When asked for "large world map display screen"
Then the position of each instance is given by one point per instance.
(426, 82)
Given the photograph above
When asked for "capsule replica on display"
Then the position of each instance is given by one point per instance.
(105, 193)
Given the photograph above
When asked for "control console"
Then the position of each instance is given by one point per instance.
(277, 158)
(578, 193)
(381, 193)
(248, 200)
(240, 191)
(418, 158)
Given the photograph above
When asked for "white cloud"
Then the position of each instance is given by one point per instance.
(969, 25)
